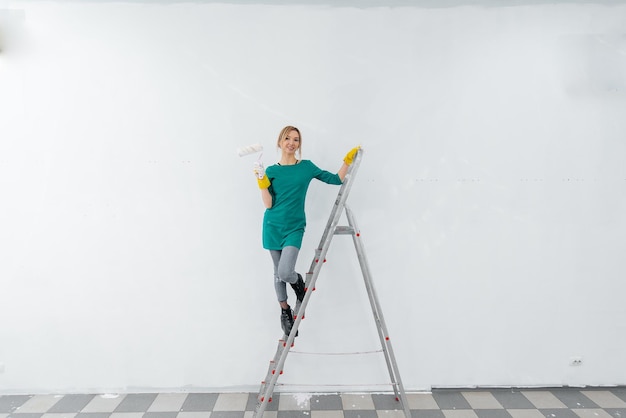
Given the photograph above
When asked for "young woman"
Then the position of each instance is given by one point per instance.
(283, 191)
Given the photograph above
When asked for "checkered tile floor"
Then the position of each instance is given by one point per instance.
(497, 403)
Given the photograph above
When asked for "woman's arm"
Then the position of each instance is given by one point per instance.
(343, 171)
(347, 161)
(266, 196)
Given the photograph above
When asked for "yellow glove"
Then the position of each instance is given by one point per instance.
(348, 159)
(264, 182)
(259, 173)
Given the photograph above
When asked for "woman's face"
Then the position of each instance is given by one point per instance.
(291, 143)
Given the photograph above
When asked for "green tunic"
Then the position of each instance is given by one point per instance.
(285, 221)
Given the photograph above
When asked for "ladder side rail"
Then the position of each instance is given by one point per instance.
(378, 315)
(273, 378)
(263, 398)
(337, 210)
(382, 335)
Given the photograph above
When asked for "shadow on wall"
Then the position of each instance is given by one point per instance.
(11, 23)
(594, 65)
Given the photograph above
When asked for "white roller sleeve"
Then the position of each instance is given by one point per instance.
(250, 149)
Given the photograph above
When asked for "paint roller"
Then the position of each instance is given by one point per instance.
(249, 149)
(252, 149)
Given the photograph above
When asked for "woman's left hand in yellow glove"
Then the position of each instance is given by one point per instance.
(349, 158)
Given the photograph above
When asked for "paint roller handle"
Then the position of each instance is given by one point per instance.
(258, 169)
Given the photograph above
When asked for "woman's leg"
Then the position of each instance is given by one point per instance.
(279, 285)
(287, 264)
(284, 271)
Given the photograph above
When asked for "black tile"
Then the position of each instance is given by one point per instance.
(291, 414)
(512, 399)
(196, 402)
(136, 402)
(558, 413)
(427, 413)
(27, 415)
(616, 412)
(620, 393)
(386, 402)
(9, 403)
(368, 413)
(252, 401)
(327, 403)
(492, 413)
(573, 398)
(447, 399)
(93, 415)
(160, 415)
(226, 414)
(71, 404)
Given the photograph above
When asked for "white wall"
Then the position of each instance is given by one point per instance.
(491, 196)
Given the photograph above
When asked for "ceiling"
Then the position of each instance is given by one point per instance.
(373, 3)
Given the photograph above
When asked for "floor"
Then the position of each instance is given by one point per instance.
(448, 403)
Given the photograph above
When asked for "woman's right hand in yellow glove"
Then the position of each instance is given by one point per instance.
(259, 173)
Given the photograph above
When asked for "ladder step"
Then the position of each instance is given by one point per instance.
(344, 230)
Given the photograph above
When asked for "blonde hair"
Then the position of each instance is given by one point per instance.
(283, 134)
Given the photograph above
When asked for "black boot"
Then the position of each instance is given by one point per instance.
(298, 287)
(286, 320)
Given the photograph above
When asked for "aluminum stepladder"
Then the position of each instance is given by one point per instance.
(276, 365)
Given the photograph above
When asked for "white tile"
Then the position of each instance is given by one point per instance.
(525, 413)
(294, 401)
(103, 403)
(390, 414)
(421, 401)
(482, 400)
(543, 399)
(59, 415)
(592, 413)
(604, 398)
(126, 415)
(192, 415)
(357, 401)
(459, 413)
(169, 402)
(325, 414)
(38, 404)
(231, 402)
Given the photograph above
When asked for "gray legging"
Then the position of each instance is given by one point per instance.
(284, 269)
